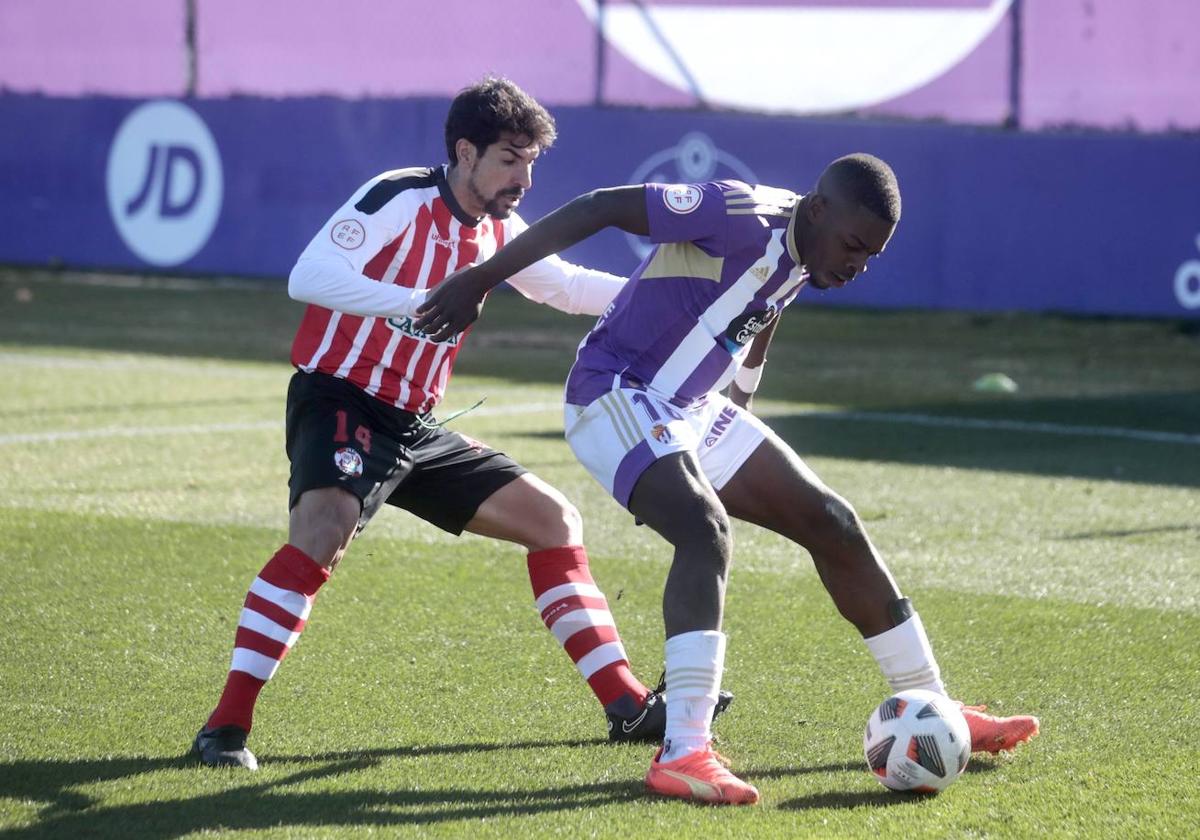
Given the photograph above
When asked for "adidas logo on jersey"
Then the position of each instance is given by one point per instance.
(761, 272)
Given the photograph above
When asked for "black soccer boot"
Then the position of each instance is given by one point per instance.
(224, 746)
(647, 724)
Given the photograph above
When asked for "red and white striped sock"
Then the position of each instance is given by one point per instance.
(576, 612)
(273, 615)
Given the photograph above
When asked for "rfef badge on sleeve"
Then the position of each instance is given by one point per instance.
(682, 198)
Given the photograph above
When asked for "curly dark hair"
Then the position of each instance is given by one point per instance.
(492, 106)
(866, 180)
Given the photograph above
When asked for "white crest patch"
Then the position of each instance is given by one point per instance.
(348, 461)
(682, 198)
(348, 234)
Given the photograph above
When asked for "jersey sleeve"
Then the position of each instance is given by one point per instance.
(329, 272)
(689, 213)
(563, 285)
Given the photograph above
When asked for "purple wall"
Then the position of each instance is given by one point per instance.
(1097, 63)
(1112, 64)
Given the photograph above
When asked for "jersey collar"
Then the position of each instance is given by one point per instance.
(791, 231)
(443, 185)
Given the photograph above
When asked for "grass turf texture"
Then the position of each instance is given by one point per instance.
(145, 485)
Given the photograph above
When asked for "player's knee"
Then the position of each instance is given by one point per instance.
(572, 524)
(706, 533)
(558, 522)
(549, 521)
(322, 526)
(838, 522)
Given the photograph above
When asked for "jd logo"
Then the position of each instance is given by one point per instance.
(1187, 283)
(164, 182)
(695, 159)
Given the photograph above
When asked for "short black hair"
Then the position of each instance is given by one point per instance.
(492, 106)
(865, 180)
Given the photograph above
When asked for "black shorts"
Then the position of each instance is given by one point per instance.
(340, 436)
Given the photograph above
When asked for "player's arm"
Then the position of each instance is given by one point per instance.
(568, 287)
(329, 272)
(745, 381)
(335, 284)
(457, 301)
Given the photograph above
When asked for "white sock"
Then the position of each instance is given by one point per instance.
(695, 662)
(905, 657)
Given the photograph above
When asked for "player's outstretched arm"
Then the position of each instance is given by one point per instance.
(458, 299)
(745, 381)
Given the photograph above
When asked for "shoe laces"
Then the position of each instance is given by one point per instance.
(661, 688)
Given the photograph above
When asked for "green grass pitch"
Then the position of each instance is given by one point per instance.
(1050, 538)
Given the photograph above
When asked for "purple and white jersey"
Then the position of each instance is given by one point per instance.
(724, 267)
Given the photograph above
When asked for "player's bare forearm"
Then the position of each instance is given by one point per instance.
(457, 301)
(741, 390)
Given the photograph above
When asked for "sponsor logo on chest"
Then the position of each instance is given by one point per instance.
(405, 326)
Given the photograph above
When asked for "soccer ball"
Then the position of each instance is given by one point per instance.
(917, 741)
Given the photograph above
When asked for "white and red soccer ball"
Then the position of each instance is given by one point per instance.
(917, 741)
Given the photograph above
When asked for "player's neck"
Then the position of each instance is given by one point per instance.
(456, 178)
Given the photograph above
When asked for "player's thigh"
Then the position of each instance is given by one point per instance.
(674, 498)
(337, 439)
(453, 477)
(618, 436)
(529, 512)
(776, 489)
(729, 436)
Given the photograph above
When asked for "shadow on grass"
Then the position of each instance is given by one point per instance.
(878, 798)
(1028, 441)
(1055, 439)
(280, 803)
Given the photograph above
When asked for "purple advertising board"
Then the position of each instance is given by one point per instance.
(993, 220)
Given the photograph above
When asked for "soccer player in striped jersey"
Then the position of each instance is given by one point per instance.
(645, 414)
(359, 430)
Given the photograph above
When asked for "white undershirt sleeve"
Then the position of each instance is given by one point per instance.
(567, 287)
(329, 272)
(331, 282)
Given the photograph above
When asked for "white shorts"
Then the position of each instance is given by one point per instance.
(620, 434)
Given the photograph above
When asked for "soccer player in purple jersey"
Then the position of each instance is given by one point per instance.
(645, 415)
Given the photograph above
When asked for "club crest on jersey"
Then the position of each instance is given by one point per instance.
(406, 325)
(661, 433)
(348, 234)
(682, 198)
(348, 461)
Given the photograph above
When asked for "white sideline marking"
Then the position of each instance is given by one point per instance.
(1179, 438)
(215, 428)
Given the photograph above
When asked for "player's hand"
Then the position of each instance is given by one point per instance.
(452, 307)
(739, 397)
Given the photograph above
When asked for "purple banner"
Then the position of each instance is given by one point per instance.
(1104, 224)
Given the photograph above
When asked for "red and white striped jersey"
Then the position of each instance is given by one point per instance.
(405, 230)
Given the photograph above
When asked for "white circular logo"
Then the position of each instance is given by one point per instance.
(348, 234)
(682, 198)
(165, 184)
(696, 158)
(348, 461)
